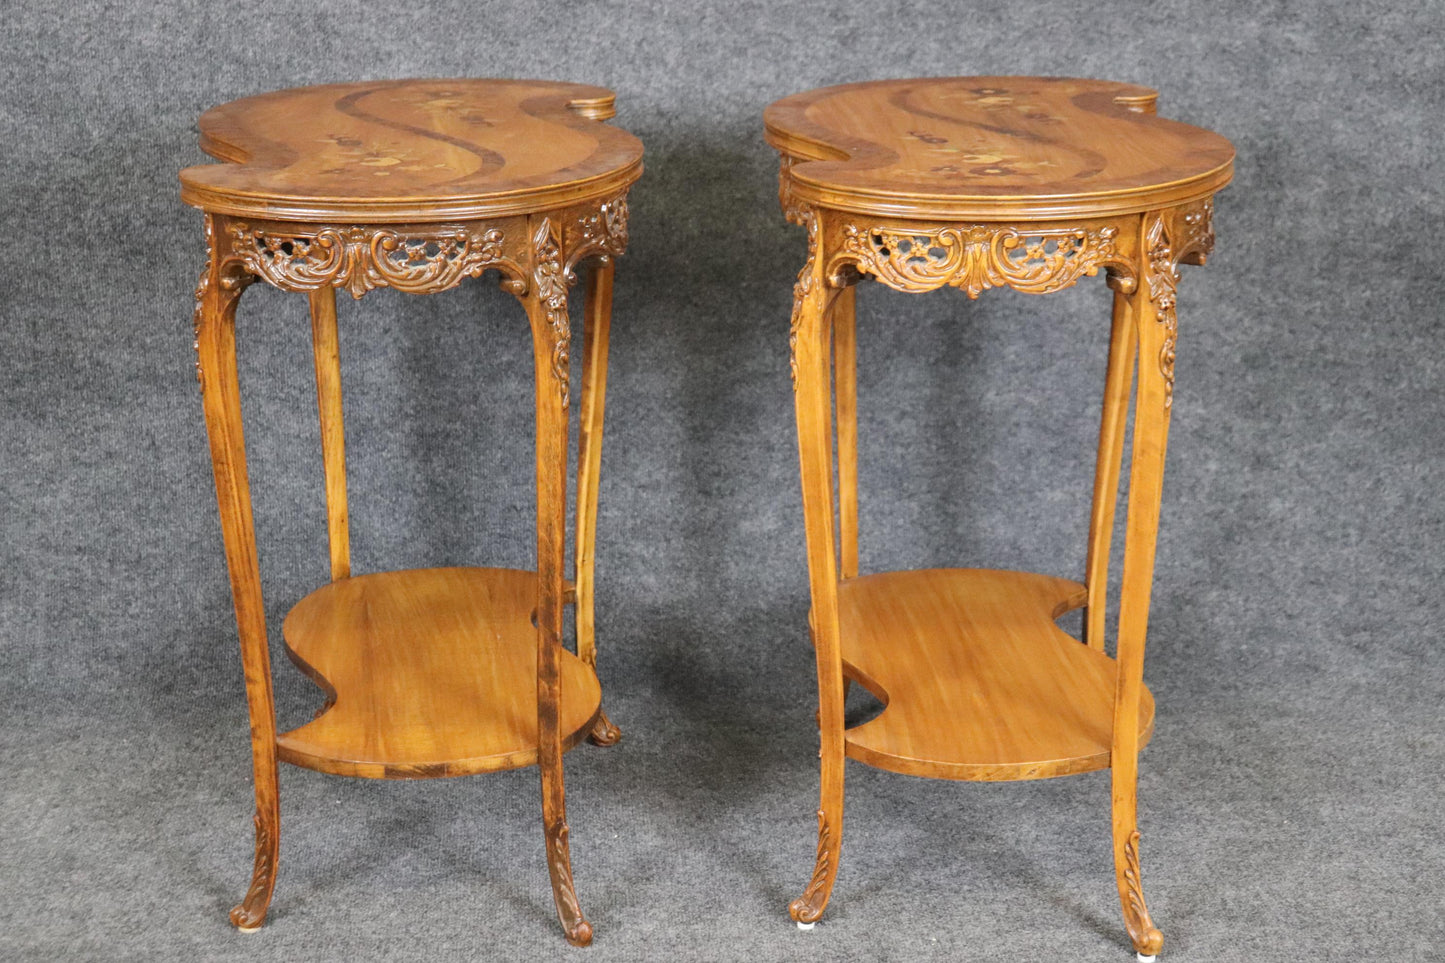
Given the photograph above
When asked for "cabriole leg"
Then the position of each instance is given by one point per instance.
(216, 296)
(546, 304)
(810, 358)
(1152, 307)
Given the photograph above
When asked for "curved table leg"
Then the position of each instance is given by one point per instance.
(595, 331)
(217, 296)
(1152, 306)
(546, 304)
(1122, 342)
(810, 362)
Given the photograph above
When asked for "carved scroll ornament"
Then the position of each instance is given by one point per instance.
(361, 258)
(978, 257)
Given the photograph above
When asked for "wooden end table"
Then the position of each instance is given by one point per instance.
(975, 183)
(416, 185)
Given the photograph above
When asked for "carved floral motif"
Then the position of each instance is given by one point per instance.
(550, 287)
(804, 285)
(979, 257)
(1163, 276)
(1195, 231)
(360, 258)
(232, 279)
(603, 231)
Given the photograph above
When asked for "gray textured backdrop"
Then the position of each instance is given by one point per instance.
(1292, 796)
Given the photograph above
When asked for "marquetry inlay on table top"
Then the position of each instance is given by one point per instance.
(404, 150)
(991, 147)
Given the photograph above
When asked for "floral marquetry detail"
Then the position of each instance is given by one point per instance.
(360, 258)
(979, 257)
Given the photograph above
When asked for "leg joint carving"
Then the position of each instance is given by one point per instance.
(1171, 237)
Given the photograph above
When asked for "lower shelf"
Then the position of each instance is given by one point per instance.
(977, 680)
(433, 672)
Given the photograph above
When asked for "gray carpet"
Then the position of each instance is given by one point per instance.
(1291, 799)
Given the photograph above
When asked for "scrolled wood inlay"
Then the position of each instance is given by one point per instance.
(977, 257)
(361, 258)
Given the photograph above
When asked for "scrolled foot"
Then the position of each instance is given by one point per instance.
(1147, 939)
(251, 913)
(564, 892)
(604, 733)
(579, 934)
(808, 908)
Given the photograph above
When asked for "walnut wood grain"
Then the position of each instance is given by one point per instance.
(977, 680)
(403, 150)
(977, 183)
(435, 671)
(326, 357)
(417, 186)
(980, 148)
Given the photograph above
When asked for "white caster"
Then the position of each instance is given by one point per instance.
(1145, 959)
(248, 929)
(806, 927)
